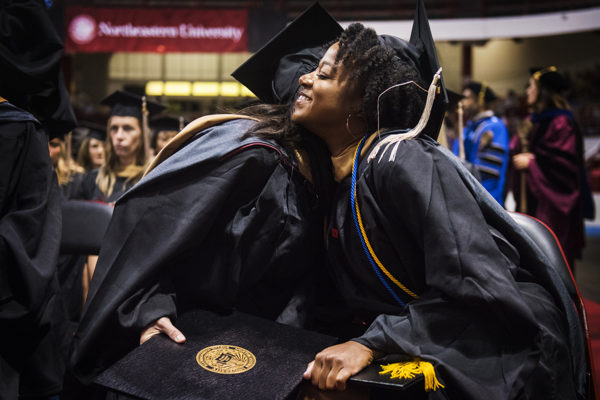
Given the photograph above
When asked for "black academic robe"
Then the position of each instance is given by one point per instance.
(30, 227)
(492, 319)
(87, 189)
(224, 223)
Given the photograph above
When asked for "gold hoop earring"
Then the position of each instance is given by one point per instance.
(350, 130)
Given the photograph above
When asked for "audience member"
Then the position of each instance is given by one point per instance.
(164, 128)
(127, 148)
(549, 180)
(485, 139)
(91, 150)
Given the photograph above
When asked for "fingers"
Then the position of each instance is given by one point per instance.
(165, 326)
(162, 325)
(328, 372)
(341, 379)
(148, 333)
(333, 366)
(308, 372)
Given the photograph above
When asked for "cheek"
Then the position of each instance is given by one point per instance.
(135, 139)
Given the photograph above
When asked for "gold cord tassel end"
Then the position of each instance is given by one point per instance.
(409, 369)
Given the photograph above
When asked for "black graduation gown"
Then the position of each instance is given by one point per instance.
(87, 189)
(30, 226)
(222, 224)
(490, 317)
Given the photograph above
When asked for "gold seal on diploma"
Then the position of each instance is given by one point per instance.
(226, 359)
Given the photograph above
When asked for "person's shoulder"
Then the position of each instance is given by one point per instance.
(562, 121)
(495, 122)
(403, 157)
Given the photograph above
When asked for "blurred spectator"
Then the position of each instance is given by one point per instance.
(127, 148)
(485, 139)
(68, 173)
(550, 181)
(164, 128)
(91, 150)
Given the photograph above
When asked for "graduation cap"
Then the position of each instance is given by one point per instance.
(236, 356)
(550, 78)
(272, 73)
(422, 39)
(483, 93)
(94, 130)
(165, 123)
(125, 104)
(454, 98)
(30, 63)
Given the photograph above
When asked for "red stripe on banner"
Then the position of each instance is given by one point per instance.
(92, 29)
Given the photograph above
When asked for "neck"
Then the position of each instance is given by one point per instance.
(126, 161)
(339, 142)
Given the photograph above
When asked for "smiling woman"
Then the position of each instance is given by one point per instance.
(430, 268)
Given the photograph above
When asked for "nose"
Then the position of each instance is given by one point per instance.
(120, 133)
(306, 79)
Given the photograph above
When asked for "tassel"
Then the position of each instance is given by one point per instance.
(394, 140)
(409, 369)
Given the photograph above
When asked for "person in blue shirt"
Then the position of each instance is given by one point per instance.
(485, 139)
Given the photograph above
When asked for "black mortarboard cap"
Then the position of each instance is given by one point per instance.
(164, 123)
(125, 104)
(550, 78)
(30, 63)
(237, 356)
(272, 73)
(94, 130)
(422, 39)
(481, 90)
(454, 98)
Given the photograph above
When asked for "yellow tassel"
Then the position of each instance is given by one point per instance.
(408, 370)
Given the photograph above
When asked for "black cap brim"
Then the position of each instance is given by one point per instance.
(306, 35)
(453, 98)
(95, 131)
(127, 104)
(164, 123)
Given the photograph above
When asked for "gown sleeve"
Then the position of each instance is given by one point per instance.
(553, 173)
(30, 223)
(156, 232)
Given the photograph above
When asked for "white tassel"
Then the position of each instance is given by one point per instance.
(397, 138)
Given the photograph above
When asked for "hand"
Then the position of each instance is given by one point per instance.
(333, 366)
(162, 325)
(521, 161)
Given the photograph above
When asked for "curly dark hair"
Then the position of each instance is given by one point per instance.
(374, 67)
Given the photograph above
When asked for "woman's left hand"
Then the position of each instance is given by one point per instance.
(521, 161)
(333, 366)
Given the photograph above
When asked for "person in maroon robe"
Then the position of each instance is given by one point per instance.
(548, 162)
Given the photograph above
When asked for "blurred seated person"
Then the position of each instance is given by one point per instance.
(164, 128)
(91, 150)
(485, 139)
(127, 149)
(68, 172)
(550, 181)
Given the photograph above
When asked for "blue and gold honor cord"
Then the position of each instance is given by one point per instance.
(376, 264)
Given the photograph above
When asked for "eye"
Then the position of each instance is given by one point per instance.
(323, 76)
